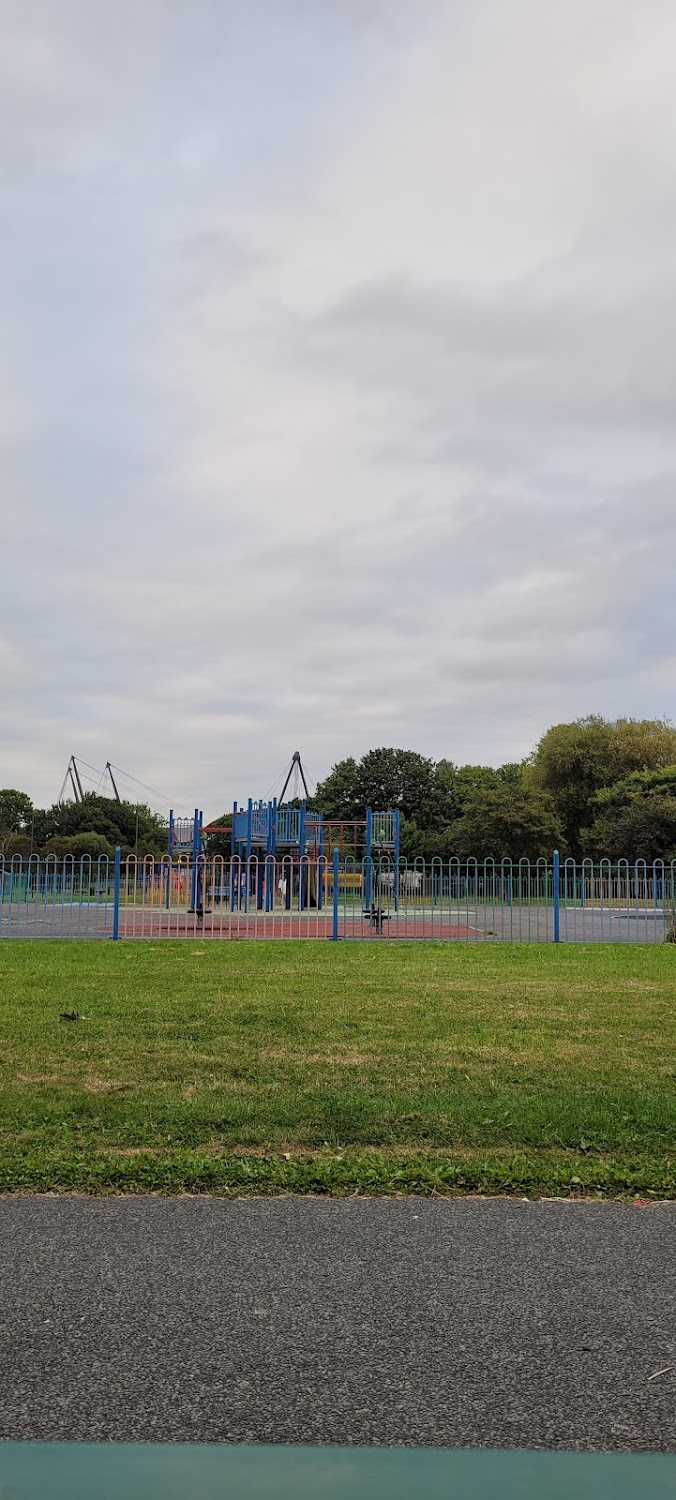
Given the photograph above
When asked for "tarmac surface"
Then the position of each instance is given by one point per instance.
(489, 923)
(413, 1321)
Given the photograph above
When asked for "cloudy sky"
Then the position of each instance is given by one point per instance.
(337, 381)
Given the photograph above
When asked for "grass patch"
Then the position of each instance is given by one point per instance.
(370, 1068)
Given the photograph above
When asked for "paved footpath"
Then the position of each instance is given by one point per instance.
(300, 1320)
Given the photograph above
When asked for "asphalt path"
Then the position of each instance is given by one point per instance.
(414, 1321)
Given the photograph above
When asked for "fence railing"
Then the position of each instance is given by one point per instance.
(328, 897)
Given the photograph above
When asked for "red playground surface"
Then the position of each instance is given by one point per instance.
(147, 923)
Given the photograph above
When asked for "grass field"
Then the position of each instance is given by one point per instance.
(350, 1068)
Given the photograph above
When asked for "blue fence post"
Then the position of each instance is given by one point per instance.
(368, 877)
(234, 869)
(249, 846)
(195, 901)
(116, 894)
(336, 894)
(555, 881)
(170, 852)
(303, 873)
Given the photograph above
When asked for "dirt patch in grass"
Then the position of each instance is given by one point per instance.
(106, 1086)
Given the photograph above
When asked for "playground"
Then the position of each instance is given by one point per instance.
(288, 872)
(276, 897)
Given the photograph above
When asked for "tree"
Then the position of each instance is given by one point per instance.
(133, 826)
(645, 829)
(337, 796)
(83, 845)
(447, 793)
(639, 784)
(382, 779)
(220, 843)
(643, 745)
(575, 761)
(397, 779)
(513, 772)
(16, 810)
(634, 819)
(508, 822)
(414, 842)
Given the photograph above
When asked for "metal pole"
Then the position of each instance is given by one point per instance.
(170, 846)
(301, 850)
(367, 870)
(555, 879)
(336, 894)
(195, 855)
(234, 868)
(116, 894)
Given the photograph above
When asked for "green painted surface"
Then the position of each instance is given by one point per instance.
(78, 1471)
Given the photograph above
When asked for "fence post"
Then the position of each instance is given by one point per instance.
(556, 880)
(368, 893)
(336, 894)
(196, 850)
(116, 894)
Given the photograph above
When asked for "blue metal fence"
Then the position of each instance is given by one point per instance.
(383, 897)
(56, 897)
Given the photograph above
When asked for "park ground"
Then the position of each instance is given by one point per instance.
(243, 1068)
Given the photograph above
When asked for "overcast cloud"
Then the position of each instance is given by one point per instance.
(337, 380)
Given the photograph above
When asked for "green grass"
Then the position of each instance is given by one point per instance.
(309, 1067)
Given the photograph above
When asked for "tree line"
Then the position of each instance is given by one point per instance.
(93, 826)
(595, 788)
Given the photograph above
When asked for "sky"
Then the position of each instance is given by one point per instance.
(337, 381)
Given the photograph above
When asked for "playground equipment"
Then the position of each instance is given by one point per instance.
(185, 838)
(286, 848)
(289, 841)
(277, 835)
(185, 834)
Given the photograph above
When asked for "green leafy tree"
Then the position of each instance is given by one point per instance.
(455, 785)
(219, 843)
(426, 843)
(16, 810)
(16, 843)
(476, 779)
(134, 827)
(397, 779)
(81, 845)
(638, 784)
(513, 773)
(634, 818)
(337, 796)
(643, 745)
(643, 829)
(414, 842)
(573, 762)
(382, 779)
(508, 822)
(448, 800)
